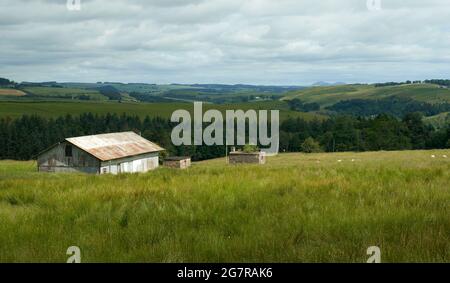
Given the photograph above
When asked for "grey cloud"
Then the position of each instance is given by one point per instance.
(224, 41)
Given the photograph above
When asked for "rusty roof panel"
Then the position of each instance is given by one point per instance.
(114, 145)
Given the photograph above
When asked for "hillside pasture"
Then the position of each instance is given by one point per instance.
(327, 96)
(63, 92)
(296, 208)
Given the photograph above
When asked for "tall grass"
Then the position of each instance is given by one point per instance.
(297, 208)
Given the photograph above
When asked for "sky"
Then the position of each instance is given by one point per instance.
(265, 42)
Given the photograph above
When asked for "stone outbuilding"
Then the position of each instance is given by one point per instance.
(236, 157)
(179, 162)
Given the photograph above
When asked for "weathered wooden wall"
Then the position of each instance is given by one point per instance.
(55, 160)
(133, 164)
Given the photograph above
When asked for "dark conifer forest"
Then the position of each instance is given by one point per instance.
(25, 137)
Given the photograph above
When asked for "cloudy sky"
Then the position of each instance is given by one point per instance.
(282, 42)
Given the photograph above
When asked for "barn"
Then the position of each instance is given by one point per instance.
(114, 153)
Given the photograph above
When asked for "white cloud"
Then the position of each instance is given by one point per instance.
(224, 41)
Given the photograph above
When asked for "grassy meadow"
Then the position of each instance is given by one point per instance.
(296, 208)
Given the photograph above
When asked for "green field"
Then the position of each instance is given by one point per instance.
(61, 92)
(327, 96)
(15, 109)
(296, 208)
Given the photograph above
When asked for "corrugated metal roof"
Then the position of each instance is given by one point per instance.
(114, 145)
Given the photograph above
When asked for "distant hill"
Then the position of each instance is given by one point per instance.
(327, 84)
(431, 97)
(329, 95)
(59, 92)
(213, 93)
(109, 91)
(366, 100)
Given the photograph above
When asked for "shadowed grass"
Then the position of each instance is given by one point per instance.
(297, 208)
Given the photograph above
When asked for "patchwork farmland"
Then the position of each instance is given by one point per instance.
(11, 92)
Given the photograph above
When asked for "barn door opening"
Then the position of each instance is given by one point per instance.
(68, 154)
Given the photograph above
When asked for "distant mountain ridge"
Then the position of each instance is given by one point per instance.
(322, 83)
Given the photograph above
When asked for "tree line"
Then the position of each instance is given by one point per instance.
(349, 133)
(445, 83)
(394, 105)
(408, 82)
(23, 138)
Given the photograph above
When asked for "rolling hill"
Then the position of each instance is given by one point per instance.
(212, 93)
(329, 95)
(356, 99)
